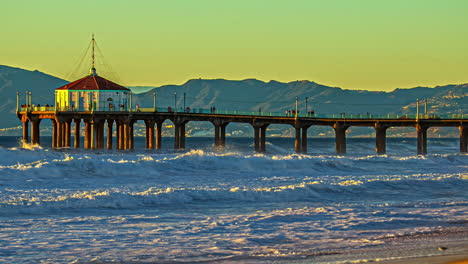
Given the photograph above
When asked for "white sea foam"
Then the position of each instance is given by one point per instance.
(202, 205)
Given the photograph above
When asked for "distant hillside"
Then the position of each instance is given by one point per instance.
(14, 79)
(247, 95)
(252, 95)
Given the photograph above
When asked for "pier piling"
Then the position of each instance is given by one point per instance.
(25, 138)
(110, 124)
(463, 139)
(159, 135)
(304, 139)
(380, 139)
(95, 137)
(340, 138)
(77, 136)
(422, 139)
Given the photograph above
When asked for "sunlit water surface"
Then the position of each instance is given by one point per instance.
(200, 204)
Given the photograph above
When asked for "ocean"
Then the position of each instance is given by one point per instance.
(233, 205)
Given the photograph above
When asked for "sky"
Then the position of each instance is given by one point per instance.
(353, 44)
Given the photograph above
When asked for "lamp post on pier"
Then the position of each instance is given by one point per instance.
(154, 102)
(417, 109)
(175, 102)
(29, 99)
(425, 108)
(297, 106)
(131, 99)
(17, 101)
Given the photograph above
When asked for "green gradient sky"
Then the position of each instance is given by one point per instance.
(356, 44)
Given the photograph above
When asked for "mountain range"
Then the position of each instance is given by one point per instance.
(246, 95)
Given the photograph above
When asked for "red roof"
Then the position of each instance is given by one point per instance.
(93, 82)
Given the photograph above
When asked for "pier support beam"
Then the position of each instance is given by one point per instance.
(340, 138)
(216, 135)
(182, 136)
(118, 134)
(110, 124)
(422, 139)
(263, 138)
(100, 135)
(257, 138)
(25, 138)
(62, 134)
(54, 133)
(94, 132)
(131, 137)
(380, 139)
(219, 133)
(87, 138)
(67, 125)
(176, 136)
(297, 140)
(304, 139)
(149, 134)
(126, 135)
(463, 139)
(77, 133)
(35, 132)
(159, 135)
(260, 137)
(179, 134)
(222, 133)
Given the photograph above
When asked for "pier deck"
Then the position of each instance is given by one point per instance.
(95, 121)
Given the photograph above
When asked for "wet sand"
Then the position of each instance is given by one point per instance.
(449, 246)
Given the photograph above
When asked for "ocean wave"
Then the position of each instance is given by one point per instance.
(44, 201)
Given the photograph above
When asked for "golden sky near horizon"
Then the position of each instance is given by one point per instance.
(359, 44)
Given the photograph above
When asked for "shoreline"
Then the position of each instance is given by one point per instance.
(449, 246)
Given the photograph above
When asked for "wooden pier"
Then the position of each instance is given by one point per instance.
(122, 122)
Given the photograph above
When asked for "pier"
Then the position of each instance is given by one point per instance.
(122, 123)
(98, 103)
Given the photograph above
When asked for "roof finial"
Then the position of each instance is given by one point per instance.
(93, 69)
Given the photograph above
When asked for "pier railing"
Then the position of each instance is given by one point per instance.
(35, 108)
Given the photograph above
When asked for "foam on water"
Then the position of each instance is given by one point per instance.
(64, 206)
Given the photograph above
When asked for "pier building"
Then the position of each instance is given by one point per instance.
(92, 93)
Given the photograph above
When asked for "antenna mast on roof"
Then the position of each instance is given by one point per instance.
(93, 69)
